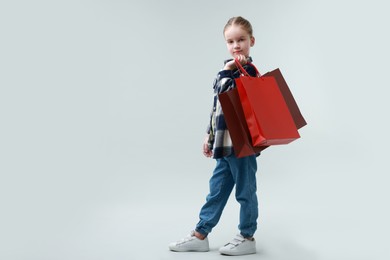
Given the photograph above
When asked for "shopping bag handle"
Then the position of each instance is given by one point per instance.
(243, 71)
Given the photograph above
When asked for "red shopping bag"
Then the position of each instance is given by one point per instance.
(288, 98)
(266, 112)
(236, 124)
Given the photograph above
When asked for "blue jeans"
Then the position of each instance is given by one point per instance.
(231, 171)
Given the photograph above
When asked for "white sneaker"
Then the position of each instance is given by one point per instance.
(190, 243)
(239, 246)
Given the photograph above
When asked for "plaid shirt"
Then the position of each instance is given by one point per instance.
(219, 137)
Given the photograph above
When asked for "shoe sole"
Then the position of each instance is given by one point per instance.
(237, 253)
(187, 250)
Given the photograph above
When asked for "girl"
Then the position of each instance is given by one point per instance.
(229, 170)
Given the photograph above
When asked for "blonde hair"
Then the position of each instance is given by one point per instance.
(238, 20)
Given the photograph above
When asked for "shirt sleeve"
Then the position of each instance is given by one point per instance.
(225, 78)
(208, 128)
(224, 81)
(251, 69)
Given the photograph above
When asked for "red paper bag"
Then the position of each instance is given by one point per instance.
(267, 115)
(236, 123)
(288, 97)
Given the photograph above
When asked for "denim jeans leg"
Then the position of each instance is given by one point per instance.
(221, 185)
(244, 174)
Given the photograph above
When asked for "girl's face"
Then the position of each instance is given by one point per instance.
(238, 41)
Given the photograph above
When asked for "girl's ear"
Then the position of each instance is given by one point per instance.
(252, 41)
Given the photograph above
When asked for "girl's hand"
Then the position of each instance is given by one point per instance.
(206, 150)
(242, 59)
(231, 65)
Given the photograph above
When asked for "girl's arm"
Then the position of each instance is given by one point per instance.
(225, 78)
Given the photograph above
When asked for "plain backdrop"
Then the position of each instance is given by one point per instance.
(104, 106)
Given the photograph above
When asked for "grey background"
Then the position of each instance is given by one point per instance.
(104, 105)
